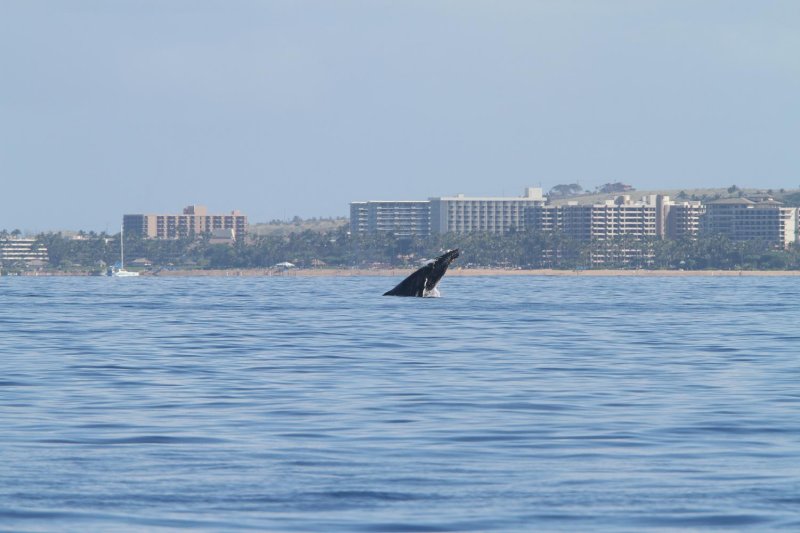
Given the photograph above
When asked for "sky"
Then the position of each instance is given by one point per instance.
(284, 108)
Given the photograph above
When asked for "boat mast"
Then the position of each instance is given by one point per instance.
(121, 245)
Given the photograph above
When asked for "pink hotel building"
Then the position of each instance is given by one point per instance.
(195, 220)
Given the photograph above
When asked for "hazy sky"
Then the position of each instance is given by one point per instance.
(282, 108)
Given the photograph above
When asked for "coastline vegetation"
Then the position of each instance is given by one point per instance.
(336, 248)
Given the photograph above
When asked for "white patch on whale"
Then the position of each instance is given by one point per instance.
(433, 293)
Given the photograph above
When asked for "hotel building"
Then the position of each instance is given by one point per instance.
(402, 218)
(652, 216)
(21, 250)
(446, 214)
(682, 219)
(741, 219)
(194, 221)
(462, 214)
(600, 221)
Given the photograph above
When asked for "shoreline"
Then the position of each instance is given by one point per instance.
(455, 272)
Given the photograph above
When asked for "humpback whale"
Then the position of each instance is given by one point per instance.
(423, 282)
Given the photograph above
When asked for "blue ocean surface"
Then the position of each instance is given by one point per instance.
(315, 404)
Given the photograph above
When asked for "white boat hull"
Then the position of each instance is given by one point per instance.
(124, 274)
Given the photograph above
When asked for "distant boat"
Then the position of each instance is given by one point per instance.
(121, 272)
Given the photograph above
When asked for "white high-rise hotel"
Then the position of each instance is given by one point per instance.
(654, 216)
(446, 214)
(403, 218)
(462, 214)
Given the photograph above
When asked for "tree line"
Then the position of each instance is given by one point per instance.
(337, 248)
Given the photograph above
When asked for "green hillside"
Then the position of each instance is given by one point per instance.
(791, 197)
(297, 225)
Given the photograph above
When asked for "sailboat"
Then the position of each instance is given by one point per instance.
(121, 272)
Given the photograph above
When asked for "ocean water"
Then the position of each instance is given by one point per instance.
(315, 404)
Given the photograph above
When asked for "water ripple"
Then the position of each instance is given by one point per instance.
(305, 404)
